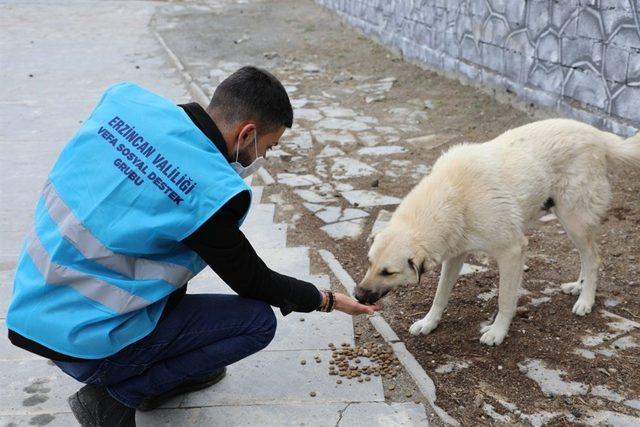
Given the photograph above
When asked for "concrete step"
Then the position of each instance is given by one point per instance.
(309, 414)
(256, 195)
(290, 261)
(276, 377)
(314, 333)
(265, 236)
(260, 214)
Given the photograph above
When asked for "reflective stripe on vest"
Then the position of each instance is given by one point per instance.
(130, 267)
(93, 288)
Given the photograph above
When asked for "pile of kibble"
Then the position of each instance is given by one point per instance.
(346, 361)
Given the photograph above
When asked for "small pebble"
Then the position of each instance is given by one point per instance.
(303, 362)
(408, 394)
(302, 319)
(339, 382)
(312, 394)
(392, 387)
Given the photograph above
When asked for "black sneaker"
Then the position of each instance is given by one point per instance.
(186, 387)
(94, 407)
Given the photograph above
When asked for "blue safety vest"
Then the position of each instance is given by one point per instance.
(105, 251)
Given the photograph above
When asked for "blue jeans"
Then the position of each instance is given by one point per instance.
(202, 333)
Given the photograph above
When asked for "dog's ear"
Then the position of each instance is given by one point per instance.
(417, 267)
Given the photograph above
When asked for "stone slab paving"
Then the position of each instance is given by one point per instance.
(62, 57)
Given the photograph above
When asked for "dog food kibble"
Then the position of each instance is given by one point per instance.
(361, 362)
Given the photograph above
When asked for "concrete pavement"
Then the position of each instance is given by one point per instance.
(55, 62)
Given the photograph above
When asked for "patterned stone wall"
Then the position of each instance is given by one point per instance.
(580, 57)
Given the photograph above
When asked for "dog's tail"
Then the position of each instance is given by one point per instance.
(624, 152)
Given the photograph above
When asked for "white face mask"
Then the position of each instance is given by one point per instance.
(245, 171)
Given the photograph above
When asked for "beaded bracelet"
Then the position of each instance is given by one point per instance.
(330, 302)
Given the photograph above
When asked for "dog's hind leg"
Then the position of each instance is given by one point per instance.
(583, 236)
(450, 272)
(580, 209)
(510, 264)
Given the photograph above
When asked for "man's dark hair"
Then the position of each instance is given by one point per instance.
(252, 93)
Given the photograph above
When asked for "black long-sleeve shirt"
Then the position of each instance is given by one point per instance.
(223, 246)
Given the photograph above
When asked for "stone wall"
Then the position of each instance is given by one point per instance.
(579, 57)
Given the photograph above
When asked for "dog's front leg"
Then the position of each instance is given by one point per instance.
(510, 264)
(450, 271)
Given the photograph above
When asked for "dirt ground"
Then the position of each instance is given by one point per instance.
(351, 95)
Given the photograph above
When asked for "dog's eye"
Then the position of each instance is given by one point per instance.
(386, 272)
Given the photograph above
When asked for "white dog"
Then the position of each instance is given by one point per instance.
(481, 197)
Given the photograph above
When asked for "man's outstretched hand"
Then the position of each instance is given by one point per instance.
(349, 305)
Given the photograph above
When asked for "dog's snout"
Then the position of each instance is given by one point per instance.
(361, 294)
(365, 296)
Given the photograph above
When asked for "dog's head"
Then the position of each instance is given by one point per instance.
(395, 258)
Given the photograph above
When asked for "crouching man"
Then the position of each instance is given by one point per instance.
(141, 199)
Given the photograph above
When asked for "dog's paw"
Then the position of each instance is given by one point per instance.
(582, 307)
(422, 327)
(572, 288)
(493, 334)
